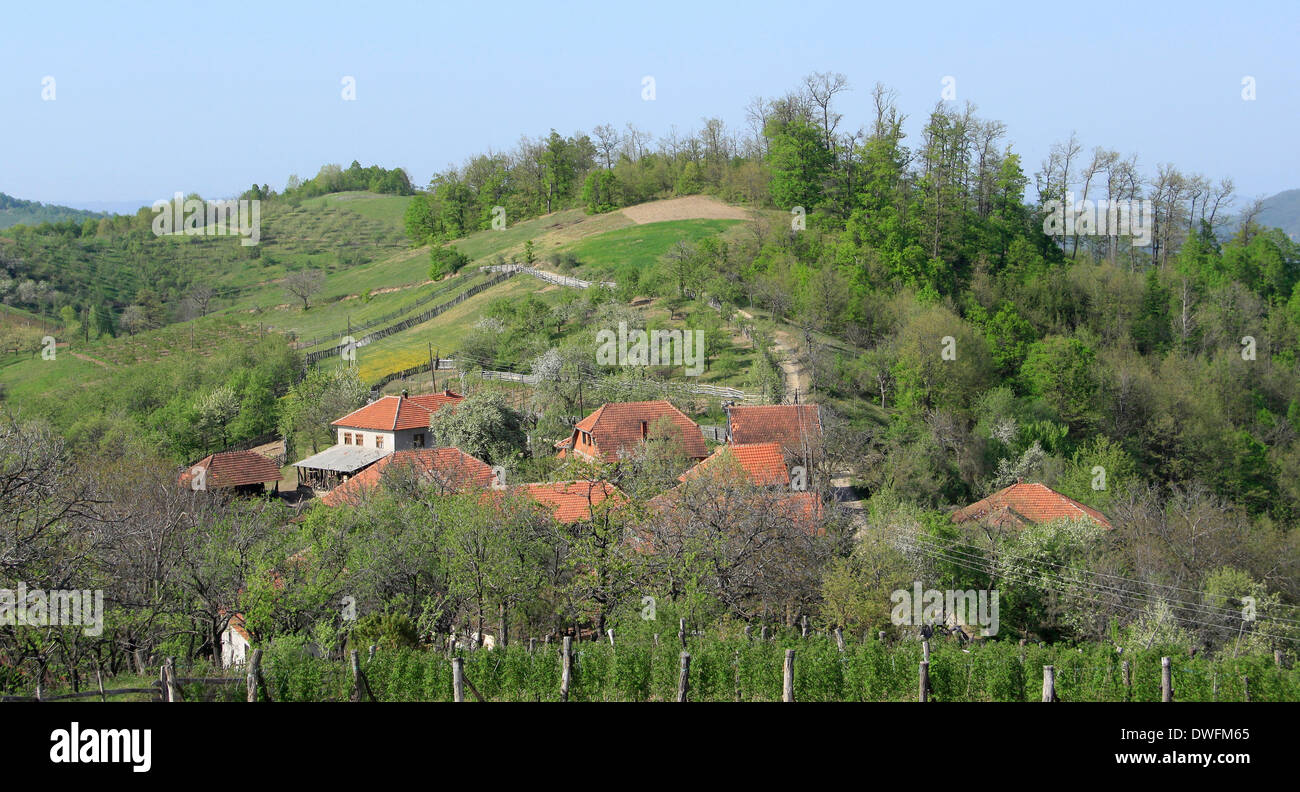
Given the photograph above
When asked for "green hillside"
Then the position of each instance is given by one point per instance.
(16, 211)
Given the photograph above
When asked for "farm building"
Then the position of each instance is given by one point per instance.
(797, 428)
(1024, 504)
(618, 427)
(452, 469)
(234, 643)
(763, 464)
(367, 435)
(573, 501)
(242, 472)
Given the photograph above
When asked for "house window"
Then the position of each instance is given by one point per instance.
(417, 441)
(379, 441)
(645, 430)
(347, 438)
(586, 438)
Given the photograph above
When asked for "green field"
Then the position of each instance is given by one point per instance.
(639, 247)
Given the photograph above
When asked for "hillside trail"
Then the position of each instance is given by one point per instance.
(90, 359)
(787, 351)
(797, 381)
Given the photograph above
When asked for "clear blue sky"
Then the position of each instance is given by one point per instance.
(155, 98)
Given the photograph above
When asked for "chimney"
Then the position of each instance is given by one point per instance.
(403, 393)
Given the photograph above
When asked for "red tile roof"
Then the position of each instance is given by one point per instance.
(450, 466)
(1020, 504)
(572, 501)
(617, 427)
(763, 463)
(791, 425)
(233, 469)
(392, 413)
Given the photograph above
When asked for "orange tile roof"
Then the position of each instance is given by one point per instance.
(804, 509)
(573, 501)
(616, 427)
(763, 463)
(1021, 503)
(233, 469)
(451, 466)
(392, 413)
(791, 425)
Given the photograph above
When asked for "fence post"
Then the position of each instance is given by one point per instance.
(925, 651)
(532, 645)
(372, 652)
(458, 679)
(1166, 680)
(173, 690)
(681, 632)
(566, 673)
(684, 677)
(839, 639)
(611, 636)
(787, 677)
(1049, 684)
(880, 636)
(923, 684)
(803, 633)
(1128, 680)
(1277, 658)
(1245, 686)
(99, 680)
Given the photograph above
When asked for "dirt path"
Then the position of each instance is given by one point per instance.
(787, 352)
(689, 207)
(797, 381)
(90, 359)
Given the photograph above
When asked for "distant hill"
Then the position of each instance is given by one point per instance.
(16, 211)
(1283, 211)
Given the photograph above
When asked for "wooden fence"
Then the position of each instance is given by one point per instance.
(312, 358)
(550, 277)
(388, 317)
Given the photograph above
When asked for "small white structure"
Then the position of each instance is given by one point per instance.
(234, 644)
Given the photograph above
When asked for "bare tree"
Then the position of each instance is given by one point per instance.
(200, 297)
(303, 284)
(608, 141)
(822, 87)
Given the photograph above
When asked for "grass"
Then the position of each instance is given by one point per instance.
(639, 247)
(444, 332)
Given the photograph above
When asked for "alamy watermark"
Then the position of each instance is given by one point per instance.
(932, 606)
(56, 608)
(652, 348)
(195, 217)
(1100, 218)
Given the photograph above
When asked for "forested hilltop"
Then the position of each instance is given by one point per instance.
(907, 282)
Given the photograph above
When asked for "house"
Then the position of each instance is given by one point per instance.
(572, 501)
(243, 472)
(1022, 504)
(393, 423)
(451, 468)
(615, 430)
(234, 642)
(796, 427)
(763, 464)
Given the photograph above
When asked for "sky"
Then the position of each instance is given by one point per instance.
(149, 99)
